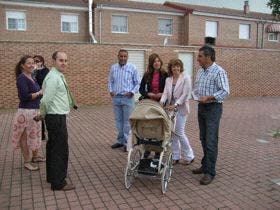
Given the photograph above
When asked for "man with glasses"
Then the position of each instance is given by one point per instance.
(55, 105)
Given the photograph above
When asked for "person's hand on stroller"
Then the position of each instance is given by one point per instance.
(151, 95)
(155, 97)
(171, 108)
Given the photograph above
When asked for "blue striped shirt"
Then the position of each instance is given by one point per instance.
(123, 79)
(212, 82)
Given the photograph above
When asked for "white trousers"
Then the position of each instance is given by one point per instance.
(181, 147)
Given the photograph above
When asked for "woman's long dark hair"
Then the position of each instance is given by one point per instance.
(150, 70)
(18, 69)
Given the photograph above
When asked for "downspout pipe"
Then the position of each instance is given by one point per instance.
(262, 43)
(257, 41)
(90, 2)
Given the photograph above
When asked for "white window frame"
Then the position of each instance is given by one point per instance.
(273, 40)
(120, 25)
(69, 18)
(241, 30)
(17, 15)
(171, 25)
(209, 30)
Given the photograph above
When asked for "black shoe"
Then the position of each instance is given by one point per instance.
(124, 149)
(197, 171)
(116, 145)
(206, 179)
(66, 188)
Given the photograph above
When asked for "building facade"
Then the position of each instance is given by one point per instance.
(127, 22)
(185, 25)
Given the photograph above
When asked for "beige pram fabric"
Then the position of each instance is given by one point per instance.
(150, 121)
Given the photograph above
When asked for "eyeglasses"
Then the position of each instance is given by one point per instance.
(37, 61)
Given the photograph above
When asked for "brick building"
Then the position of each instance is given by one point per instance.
(126, 22)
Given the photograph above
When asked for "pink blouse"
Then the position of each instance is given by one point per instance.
(155, 82)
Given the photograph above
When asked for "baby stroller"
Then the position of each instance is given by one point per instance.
(151, 131)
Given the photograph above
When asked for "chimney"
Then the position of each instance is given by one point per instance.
(210, 41)
(246, 7)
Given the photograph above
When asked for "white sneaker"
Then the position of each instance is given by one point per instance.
(29, 166)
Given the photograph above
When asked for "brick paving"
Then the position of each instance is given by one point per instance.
(248, 167)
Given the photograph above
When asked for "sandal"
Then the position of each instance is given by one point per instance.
(37, 159)
(29, 166)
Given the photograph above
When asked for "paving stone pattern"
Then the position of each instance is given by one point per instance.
(246, 168)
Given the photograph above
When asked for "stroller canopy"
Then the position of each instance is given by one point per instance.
(149, 120)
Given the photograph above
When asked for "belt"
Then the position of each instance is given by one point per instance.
(210, 103)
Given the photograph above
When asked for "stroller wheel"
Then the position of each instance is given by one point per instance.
(133, 160)
(166, 173)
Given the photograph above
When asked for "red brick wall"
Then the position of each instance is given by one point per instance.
(142, 28)
(251, 72)
(43, 24)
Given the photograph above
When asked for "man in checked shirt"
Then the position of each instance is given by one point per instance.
(210, 90)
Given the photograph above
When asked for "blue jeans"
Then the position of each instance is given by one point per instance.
(123, 107)
(209, 116)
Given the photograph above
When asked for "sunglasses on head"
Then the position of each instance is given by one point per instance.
(37, 61)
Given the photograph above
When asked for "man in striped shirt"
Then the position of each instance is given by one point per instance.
(123, 83)
(210, 90)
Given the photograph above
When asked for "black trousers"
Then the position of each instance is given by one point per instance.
(57, 150)
(209, 116)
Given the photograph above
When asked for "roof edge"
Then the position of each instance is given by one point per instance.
(178, 7)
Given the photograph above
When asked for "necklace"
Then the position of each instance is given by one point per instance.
(28, 76)
(174, 80)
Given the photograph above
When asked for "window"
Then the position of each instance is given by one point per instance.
(211, 29)
(244, 31)
(165, 26)
(69, 23)
(16, 20)
(119, 24)
(273, 37)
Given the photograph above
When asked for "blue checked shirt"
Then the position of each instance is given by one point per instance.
(212, 82)
(123, 79)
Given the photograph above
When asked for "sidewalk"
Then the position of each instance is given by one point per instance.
(248, 167)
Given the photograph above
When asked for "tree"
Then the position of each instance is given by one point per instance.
(275, 6)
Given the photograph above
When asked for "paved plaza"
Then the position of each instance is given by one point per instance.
(248, 167)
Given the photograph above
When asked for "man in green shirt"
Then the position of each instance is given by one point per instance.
(55, 105)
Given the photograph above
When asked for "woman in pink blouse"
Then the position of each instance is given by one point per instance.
(153, 81)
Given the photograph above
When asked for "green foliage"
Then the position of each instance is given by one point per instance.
(276, 134)
(275, 6)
